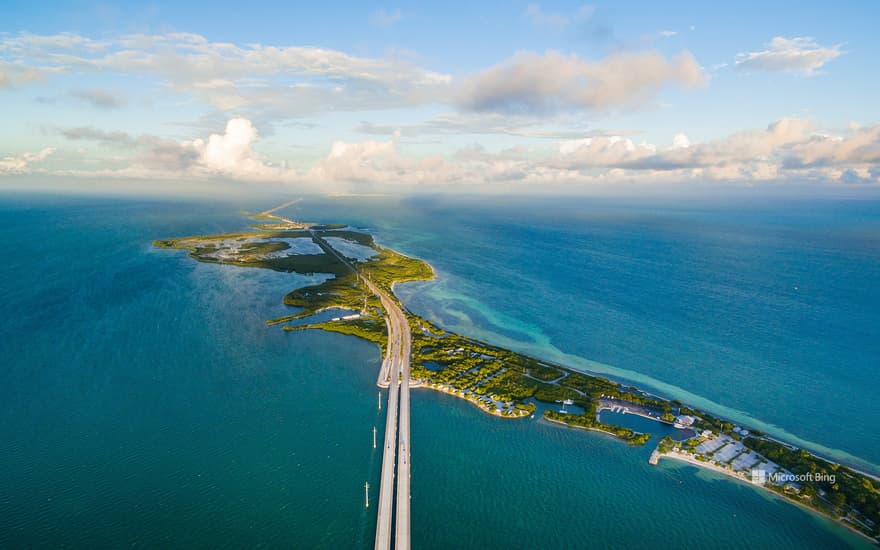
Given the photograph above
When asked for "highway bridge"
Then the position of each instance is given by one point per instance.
(393, 375)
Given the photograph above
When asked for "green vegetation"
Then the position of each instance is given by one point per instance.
(251, 249)
(588, 421)
(666, 444)
(344, 291)
(545, 373)
(849, 490)
(389, 267)
(329, 226)
(354, 236)
(831, 489)
(278, 226)
(371, 329)
(497, 380)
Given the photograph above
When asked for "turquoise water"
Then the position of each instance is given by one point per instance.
(143, 401)
(767, 312)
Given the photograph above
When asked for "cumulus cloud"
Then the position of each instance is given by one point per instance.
(230, 154)
(22, 164)
(749, 146)
(786, 150)
(789, 149)
(380, 162)
(795, 55)
(531, 82)
(862, 147)
(680, 141)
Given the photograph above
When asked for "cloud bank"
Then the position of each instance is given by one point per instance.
(277, 83)
(288, 81)
(23, 164)
(553, 81)
(788, 150)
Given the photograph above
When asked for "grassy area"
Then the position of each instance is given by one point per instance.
(545, 373)
(849, 490)
(238, 249)
(390, 267)
(495, 379)
(343, 291)
(354, 236)
(588, 421)
(829, 488)
(329, 226)
(372, 329)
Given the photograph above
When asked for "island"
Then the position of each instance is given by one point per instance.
(512, 385)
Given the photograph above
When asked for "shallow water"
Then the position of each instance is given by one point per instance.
(144, 401)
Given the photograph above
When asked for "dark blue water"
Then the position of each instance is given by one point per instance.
(144, 402)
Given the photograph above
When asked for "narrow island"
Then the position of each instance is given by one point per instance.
(512, 385)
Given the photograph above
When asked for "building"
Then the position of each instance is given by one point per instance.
(684, 421)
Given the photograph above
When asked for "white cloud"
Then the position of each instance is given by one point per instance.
(230, 154)
(607, 151)
(743, 147)
(796, 55)
(488, 123)
(680, 141)
(19, 73)
(277, 83)
(380, 162)
(286, 80)
(667, 34)
(554, 20)
(385, 19)
(21, 164)
(786, 150)
(530, 82)
(861, 147)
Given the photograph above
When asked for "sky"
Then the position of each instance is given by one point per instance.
(358, 97)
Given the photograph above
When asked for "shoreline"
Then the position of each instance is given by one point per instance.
(623, 388)
(589, 428)
(730, 474)
(649, 417)
(856, 464)
(473, 402)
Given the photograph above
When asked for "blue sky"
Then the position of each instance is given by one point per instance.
(561, 95)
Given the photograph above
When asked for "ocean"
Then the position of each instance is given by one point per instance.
(143, 402)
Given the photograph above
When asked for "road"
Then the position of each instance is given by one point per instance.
(394, 375)
(402, 533)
